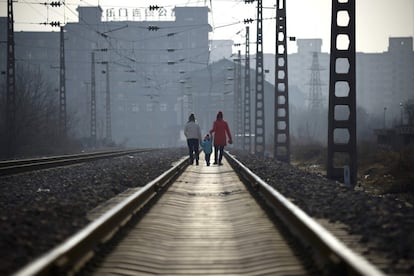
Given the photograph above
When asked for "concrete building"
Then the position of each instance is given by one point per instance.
(146, 63)
(385, 80)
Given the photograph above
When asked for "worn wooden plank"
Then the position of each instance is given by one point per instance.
(206, 224)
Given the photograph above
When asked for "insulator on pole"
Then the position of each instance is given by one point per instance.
(153, 28)
(154, 7)
(55, 4)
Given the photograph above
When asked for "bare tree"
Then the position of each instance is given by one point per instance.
(409, 111)
(37, 110)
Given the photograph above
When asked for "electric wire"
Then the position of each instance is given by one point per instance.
(115, 49)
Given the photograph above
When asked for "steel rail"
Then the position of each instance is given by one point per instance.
(6, 163)
(69, 256)
(24, 165)
(330, 253)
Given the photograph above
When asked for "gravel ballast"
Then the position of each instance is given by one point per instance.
(38, 210)
(384, 223)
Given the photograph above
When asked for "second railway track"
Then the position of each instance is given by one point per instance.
(24, 165)
(206, 222)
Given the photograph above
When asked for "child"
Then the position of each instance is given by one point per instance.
(206, 144)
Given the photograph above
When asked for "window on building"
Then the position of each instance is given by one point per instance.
(163, 107)
(149, 107)
(135, 108)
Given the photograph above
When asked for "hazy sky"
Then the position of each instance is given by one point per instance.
(376, 20)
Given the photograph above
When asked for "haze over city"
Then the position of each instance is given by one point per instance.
(158, 50)
(179, 113)
(376, 20)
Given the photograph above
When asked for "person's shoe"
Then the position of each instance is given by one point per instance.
(215, 163)
(220, 164)
(208, 164)
(196, 162)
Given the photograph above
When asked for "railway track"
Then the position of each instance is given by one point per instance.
(202, 220)
(24, 165)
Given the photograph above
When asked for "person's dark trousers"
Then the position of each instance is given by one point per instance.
(208, 158)
(193, 150)
(218, 152)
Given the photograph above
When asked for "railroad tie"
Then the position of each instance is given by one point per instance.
(205, 223)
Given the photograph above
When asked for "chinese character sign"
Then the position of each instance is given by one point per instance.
(139, 14)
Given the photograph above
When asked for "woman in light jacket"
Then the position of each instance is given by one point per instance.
(192, 132)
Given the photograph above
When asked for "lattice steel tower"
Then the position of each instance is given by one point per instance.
(259, 138)
(342, 152)
(247, 115)
(11, 85)
(62, 86)
(238, 101)
(281, 128)
(108, 106)
(93, 101)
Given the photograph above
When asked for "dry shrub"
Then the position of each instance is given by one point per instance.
(389, 168)
(309, 153)
(403, 171)
(398, 163)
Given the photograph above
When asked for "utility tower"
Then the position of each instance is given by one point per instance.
(93, 101)
(247, 115)
(259, 138)
(342, 150)
(281, 128)
(315, 89)
(11, 85)
(108, 106)
(62, 87)
(238, 101)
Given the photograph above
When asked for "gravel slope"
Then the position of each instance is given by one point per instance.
(385, 223)
(40, 209)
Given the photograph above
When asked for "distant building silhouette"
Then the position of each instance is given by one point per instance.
(383, 79)
(148, 62)
(151, 65)
(386, 79)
